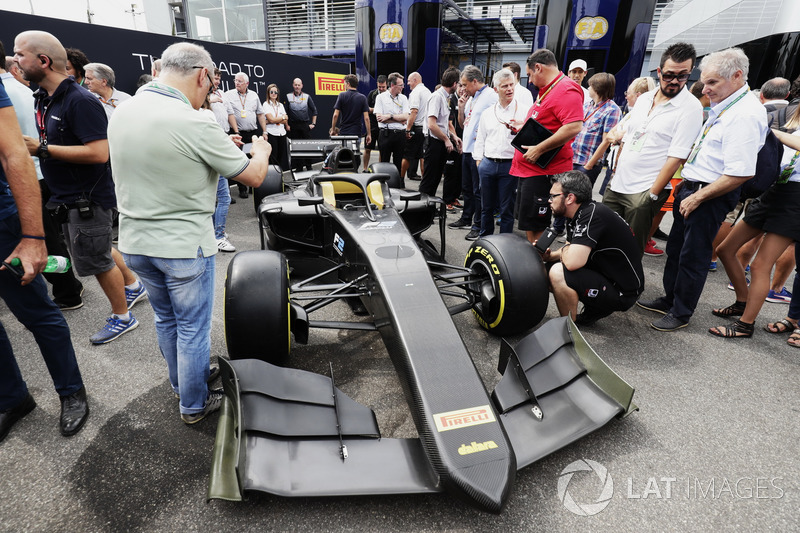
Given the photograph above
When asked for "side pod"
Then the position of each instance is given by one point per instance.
(555, 389)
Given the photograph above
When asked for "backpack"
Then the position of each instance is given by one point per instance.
(768, 168)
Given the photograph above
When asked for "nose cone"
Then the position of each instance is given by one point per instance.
(484, 485)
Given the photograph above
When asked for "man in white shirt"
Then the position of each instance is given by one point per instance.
(521, 93)
(493, 154)
(660, 131)
(392, 112)
(100, 80)
(577, 71)
(441, 137)
(248, 115)
(722, 159)
(416, 126)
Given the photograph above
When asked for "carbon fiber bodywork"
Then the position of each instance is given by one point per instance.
(285, 432)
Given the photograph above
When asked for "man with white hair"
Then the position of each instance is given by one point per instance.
(167, 158)
(100, 80)
(248, 117)
(493, 154)
(722, 159)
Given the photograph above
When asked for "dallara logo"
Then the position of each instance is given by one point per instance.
(462, 418)
(328, 84)
(390, 33)
(466, 449)
(591, 28)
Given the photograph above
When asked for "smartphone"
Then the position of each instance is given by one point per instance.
(546, 240)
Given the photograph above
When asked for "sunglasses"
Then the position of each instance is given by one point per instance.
(668, 76)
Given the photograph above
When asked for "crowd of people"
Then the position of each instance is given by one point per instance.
(669, 149)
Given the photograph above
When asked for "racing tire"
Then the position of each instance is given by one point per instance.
(388, 168)
(511, 282)
(272, 184)
(257, 307)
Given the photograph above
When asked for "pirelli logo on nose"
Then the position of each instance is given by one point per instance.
(328, 84)
(462, 418)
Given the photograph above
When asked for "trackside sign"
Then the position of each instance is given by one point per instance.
(328, 84)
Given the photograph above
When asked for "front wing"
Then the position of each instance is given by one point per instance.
(286, 432)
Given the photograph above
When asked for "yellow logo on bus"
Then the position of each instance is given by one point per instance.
(592, 28)
(390, 33)
(328, 84)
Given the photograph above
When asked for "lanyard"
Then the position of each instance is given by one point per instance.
(596, 109)
(540, 97)
(395, 100)
(699, 143)
(507, 124)
(41, 117)
(166, 90)
(242, 100)
(787, 172)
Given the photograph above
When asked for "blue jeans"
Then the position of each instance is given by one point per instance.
(498, 192)
(181, 292)
(689, 249)
(36, 311)
(223, 204)
(471, 191)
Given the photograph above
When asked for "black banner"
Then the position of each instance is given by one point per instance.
(131, 53)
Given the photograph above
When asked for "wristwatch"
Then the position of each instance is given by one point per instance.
(653, 197)
(42, 152)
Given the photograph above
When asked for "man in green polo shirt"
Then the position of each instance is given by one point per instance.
(167, 158)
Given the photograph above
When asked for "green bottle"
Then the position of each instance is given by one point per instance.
(56, 264)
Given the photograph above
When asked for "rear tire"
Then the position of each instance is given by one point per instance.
(512, 283)
(272, 184)
(257, 307)
(388, 168)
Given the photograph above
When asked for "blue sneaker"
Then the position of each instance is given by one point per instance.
(134, 296)
(730, 285)
(712, 266)
(114, 328)
(782, 297)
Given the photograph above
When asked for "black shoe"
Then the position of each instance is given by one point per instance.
(660, 235)
(657, 306)
(669, 323)
(590, 316)
(473, 235)
(9, 417)
(243, 194)
(460, 223)
(233, 200)
(415, 178)
(74, 412)
(70, 306)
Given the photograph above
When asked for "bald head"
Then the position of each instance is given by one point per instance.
(414, 79)
(41, 43)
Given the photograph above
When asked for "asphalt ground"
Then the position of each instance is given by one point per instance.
(714, 445)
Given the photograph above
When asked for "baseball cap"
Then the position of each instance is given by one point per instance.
(578, 63)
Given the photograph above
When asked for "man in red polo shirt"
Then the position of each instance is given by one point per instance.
(559, 108)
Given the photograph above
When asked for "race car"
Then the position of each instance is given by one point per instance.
(344, 235)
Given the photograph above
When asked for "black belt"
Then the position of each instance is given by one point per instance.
(415, 127)
(394, 131)
(694, 185)
(499, 160)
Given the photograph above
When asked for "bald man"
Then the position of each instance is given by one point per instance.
(417, 124)
(73, 150)
(302, 118)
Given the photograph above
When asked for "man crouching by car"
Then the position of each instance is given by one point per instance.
(600, 265)
(167, 158)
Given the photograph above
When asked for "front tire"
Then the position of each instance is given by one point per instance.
(511, 281)
(257, 307)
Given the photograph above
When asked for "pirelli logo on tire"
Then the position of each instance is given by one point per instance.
(462, 418)
(328, 84)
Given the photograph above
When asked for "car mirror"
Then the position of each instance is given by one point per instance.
(408, 196)
(310, 200)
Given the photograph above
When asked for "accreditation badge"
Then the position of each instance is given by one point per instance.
(244, 113)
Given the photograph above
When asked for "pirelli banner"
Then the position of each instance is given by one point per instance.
(131, 54)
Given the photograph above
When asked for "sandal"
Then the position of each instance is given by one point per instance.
(781, 326)
(735, 309)
(794, 338)
(738, 329)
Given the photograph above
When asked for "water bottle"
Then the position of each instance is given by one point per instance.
(56, 264)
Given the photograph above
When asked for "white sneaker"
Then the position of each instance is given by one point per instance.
(224, 245)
